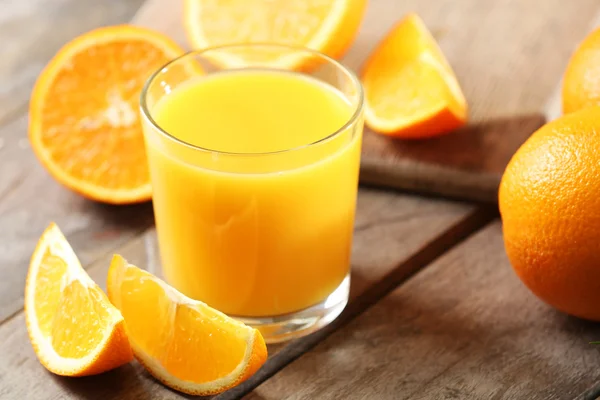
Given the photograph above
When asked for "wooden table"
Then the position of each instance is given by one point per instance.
(436, 311)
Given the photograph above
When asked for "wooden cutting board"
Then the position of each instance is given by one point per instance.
(508, 55)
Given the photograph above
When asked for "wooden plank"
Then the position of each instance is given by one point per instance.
(31, 32)
(450, 165)
(463, 328)
(165, 17)
(390, 230)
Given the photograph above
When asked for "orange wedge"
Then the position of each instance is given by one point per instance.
(327, 26)
(184, 343)
(73, 327)
(411, 90)
(84, 122)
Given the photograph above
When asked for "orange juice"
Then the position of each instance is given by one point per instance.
(254, 192)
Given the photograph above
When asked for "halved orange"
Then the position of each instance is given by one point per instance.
(326, 26)
(73, 327)
(184, 343)
(410, 89)
(84, 121)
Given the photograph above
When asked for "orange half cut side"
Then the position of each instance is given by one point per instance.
(84, 123)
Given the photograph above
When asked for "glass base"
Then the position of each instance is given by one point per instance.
(301, 323)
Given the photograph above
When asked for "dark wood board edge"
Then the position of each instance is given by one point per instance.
(464, 165)
(592, 393)
(460, 185)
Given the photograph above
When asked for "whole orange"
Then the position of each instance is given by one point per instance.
(581, 83)
(550, 206)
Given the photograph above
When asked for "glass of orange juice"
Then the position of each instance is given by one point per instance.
(254, 155)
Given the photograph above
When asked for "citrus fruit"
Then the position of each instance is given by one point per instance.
(581, 82)
(73, 327)
(550, 206)
(84, 122)
(184, 343)
(410, 89)
(327, 26)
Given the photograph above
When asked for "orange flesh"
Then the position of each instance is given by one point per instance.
(50, 275)
(186, 333)
(410, 88)
(420, 85)
(281, 18)
(73, 316)
(78, 321)
(324, 25)
(91, 126)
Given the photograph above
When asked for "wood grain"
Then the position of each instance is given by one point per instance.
(165, 17)
(31, 32)
(508, 56)
(390, 230)
(463, 328)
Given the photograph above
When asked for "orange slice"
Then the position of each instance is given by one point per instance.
(411, 90)
(73, 327)
(84, 122)
(327, 26)
(184, 343)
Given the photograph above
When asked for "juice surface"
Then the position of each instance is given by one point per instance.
(253, 111)
(255, 234)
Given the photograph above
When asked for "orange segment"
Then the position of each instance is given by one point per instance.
(84, 121)
(182, 342)
(328, 26)
(411, 90)
(73, 327)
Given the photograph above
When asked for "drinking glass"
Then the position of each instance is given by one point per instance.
(263, 237)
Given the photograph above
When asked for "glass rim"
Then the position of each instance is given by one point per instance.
(351, 120)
